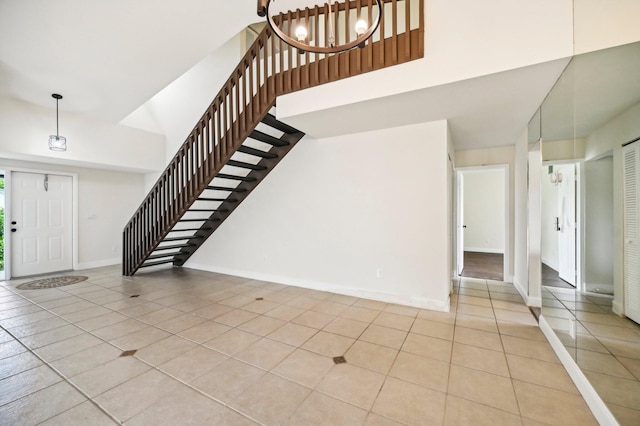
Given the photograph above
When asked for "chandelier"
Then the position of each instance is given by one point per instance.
(326, 27)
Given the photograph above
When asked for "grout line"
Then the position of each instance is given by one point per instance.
(65, 379)
(246, 290)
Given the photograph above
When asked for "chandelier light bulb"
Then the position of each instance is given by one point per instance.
(297, 27)
(301, 33)
(361, 27)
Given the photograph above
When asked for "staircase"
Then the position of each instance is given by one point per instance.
(254, 159)
(238, 140)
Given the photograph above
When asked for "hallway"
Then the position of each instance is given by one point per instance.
(181, 346)
(483, 265)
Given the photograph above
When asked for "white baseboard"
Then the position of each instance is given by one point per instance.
(484, 250)
(535, 302)
(98, 263)
(400, 299)
(618, 307)
(591, 286)
(596, 404)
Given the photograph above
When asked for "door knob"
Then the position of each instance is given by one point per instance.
(13, 229)
(13, 222)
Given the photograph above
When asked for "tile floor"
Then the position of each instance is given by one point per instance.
(606, 347)
(216, 349)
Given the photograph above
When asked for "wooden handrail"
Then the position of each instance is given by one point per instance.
(270, 68)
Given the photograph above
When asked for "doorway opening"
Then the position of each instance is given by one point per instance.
(560, 222)
(482, 248)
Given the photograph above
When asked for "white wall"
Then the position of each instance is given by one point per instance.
(361, 214)
(176, 109)
(106, 201)
(520, 253)
(25, 130)
(463, 39)
(601, 24)
(567, 149)
(484, 210)
(534, 235)
(609, 138)
(621, 129)
(599, 246)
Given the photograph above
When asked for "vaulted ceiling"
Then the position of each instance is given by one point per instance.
(108, 57)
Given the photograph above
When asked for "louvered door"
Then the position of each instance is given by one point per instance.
(632, 231)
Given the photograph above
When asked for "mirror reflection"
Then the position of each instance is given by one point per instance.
(589, 259)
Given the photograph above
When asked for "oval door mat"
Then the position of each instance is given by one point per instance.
(51, 282)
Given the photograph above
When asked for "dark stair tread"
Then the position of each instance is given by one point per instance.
(244, 165)
(228, 200)
(271, 121)
(160, 256)
(271, 140)
(256, 152)
(186, 237)
(159, 262)
(234, 177)
(190, 229)
(208, 210)
(224, 188)
(198, 220)
(174, 246)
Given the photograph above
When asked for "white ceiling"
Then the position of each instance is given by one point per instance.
(108, 57)
(594, 88)
(482, 112)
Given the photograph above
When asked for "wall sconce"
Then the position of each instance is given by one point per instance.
(555, 177)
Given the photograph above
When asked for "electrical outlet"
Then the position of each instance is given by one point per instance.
(378, 273)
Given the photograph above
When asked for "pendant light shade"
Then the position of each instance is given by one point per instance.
(57, 142)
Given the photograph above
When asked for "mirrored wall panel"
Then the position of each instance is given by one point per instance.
(584, 124)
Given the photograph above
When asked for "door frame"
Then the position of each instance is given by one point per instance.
(507, 277)
(459, 221)
(8, 170)
(579, 202)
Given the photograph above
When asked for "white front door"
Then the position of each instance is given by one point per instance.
(567, 222)
(41, 215)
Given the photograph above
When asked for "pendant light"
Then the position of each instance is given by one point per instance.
(57, 142)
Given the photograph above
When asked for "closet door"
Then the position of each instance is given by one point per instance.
(631, 155)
